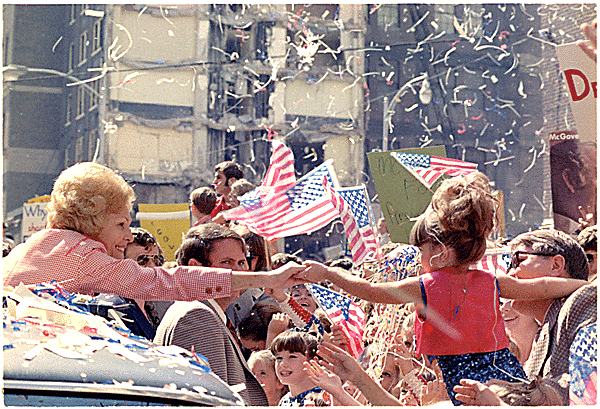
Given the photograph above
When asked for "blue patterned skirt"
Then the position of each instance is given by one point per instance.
(480, 367)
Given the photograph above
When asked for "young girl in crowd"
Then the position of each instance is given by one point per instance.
(291, 349)
(313, 386)
(459, 322)
(262, 365)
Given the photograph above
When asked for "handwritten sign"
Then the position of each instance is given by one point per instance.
(34, 218)
(580, 77)
(167, 222)
(401, 195)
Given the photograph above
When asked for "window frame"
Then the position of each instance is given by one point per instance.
(80, 113)
(83, 45)
(97, 36)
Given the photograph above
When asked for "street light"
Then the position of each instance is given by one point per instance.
(13, 72)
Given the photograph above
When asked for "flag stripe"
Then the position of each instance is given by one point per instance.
(343, 312)
(302, 207)
(358, 246)
(429, 168)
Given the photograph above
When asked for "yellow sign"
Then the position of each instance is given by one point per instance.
(167, 222)
(40, 199)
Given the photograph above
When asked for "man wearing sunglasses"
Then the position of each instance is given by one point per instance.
(140, 317)
(547, 253)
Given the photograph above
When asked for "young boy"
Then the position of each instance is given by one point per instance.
(262, 365)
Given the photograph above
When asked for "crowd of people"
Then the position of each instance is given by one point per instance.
(439, 328)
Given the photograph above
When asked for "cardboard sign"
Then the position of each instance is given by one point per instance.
(579, 72)
(167, 222)
(573, 175)
(401, 195)
(34, 218)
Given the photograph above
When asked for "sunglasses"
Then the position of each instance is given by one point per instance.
(516, 259)
(144, 259)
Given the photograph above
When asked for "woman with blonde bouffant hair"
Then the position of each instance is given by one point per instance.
(83, 207)
(83, 244)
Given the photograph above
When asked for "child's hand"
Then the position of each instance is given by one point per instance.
(435, 391)
(403, 357)
(322, 377)
(277, 294)
(591, 32)
(314, 271)
(338, 361)
(279, 323)
(338, 338)
(587, 217)
(476, 393)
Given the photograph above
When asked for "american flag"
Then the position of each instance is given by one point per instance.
(303, 208)
(583, 367)
(360, 246)
(280, 176)
(495, 261)
(344, 312)
(360, 206)
(427, 169)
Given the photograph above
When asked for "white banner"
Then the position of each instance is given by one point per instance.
(34, 218)
(579, 72)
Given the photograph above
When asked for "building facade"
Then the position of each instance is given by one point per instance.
(163, 93)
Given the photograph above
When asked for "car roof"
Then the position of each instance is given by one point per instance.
(43, 343)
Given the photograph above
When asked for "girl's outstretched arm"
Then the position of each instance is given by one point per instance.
(540, 288)
(397, 292)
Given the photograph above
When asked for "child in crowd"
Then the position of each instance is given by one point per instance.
(303, 296)
(291, 349)
(309, 383)
(253, 330)
(459, 321)
(262, 365)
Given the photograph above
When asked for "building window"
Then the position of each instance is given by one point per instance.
(387, 16)
(73, 13)
(79, 149)
(84, 7)
(444, 18)
(69, 110)
(71, 57)
(92, 142)
(96, 40)
(472, 16)
(67, 162)
(80, 102)
(94, 96)
(83, 45)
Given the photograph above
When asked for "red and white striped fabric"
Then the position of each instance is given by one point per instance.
(427, 169)
(303, 208)
(344, 312)
(358, 201)
(495, 261)
(360, 246)
(280, 176)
